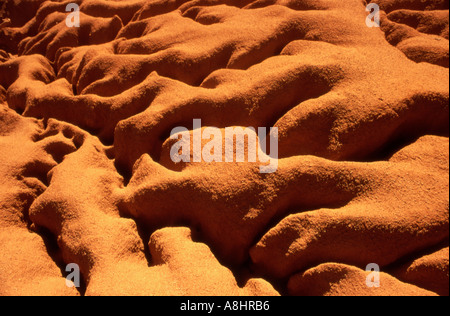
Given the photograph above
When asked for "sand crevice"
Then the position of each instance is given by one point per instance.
(86, 175)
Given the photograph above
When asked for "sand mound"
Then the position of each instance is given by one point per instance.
(333, 279)
(87, 176)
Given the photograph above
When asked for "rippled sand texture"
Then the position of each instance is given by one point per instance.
(85, 169)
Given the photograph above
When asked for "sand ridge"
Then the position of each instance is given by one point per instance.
(363, 120)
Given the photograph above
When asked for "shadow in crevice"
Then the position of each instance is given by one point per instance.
(53, 250)
(417, 255)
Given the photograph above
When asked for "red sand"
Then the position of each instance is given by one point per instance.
(85, 168)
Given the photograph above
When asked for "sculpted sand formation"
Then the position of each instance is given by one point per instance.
(87, 176)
